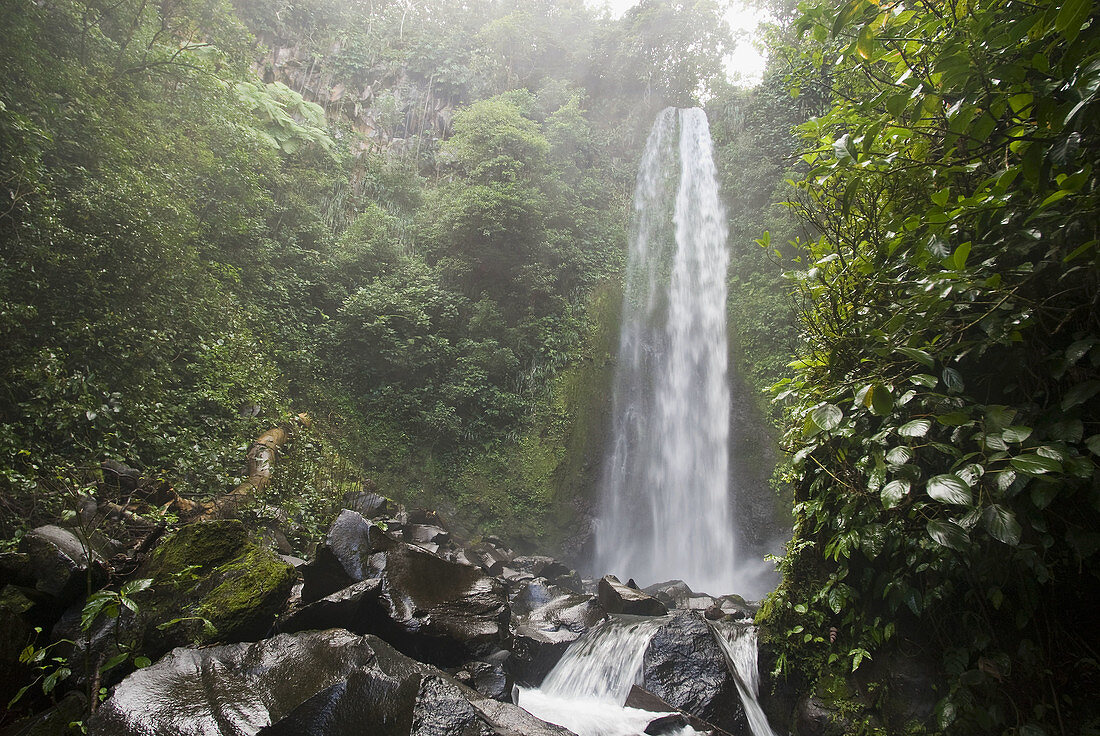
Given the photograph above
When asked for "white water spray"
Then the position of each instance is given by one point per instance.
(665, 502)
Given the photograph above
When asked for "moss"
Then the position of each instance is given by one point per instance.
(205, 545)
(211, 572)
(251, 589)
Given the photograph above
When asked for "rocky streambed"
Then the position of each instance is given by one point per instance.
(392, 627)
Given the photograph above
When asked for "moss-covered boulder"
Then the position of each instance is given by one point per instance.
(211, 583)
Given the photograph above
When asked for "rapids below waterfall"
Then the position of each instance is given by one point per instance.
(587, 689)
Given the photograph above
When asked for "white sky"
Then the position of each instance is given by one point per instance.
(746, 63)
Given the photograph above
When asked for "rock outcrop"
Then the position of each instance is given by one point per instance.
(330, 682)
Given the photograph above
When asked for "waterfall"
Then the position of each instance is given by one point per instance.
(665, 506)
(587, 689)
(738, 643)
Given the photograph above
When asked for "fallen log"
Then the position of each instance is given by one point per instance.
(261, 459)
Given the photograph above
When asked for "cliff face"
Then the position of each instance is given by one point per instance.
(386, 107)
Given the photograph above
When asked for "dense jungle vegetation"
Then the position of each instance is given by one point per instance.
(943, 410)
(399, 228)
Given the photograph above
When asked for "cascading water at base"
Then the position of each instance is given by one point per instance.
(738, 643)
(587, 689)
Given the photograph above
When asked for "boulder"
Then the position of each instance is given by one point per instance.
(488, 678)
(492, 558)
(672, 719)
(330, 683)
(215, 584)
(425, 534)
(684, 666)
(429, 607)
(352, 608)
(677, 594)
(368, 505)
(546, 619)
(16, 631)
(555, 571)
(60, 564)
(618, 598)
(436, 610)
(344, 559)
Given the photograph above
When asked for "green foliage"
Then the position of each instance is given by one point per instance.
(942, 407)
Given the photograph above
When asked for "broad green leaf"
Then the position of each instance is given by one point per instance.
(899, 455)
(1093, 443)
(882, 401)
(1071, 17)
(953, 380)
(950, 488)
(893, 492)
(948, 533)
(924, 379)
(114, 661)
(142, 662)
(1079, 394)
(915, 428)
(953, 419)
(998, 417)
(918, 355)
(1016, 434)
(1002, 524)
(865, 42)
(958, 259)
(827, 416)
(1034, 464)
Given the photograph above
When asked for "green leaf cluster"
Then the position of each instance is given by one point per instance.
(943, 407)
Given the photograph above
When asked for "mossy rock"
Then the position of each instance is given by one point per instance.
(212, 583)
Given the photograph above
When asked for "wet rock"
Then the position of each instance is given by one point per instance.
(546, 619)
(438, 611)
(215, 583)
(736, 606)
(540, 566)
(330, 683)
(429, 607)
(368, 505)
(618, 598)
(642, 699)
(16, 631)
(344, 559)
(907, 688)
(670, 724)
(515, 578)
(60, 564)
(421, 534)
(684, 666)
(426, 517)
(814, 718)
(489, 679)
(491, 558)
(352, 608)
(714, 612)
(555, 571)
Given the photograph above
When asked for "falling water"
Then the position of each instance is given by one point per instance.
(738, 643)
(665, 503)
(586, 691)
